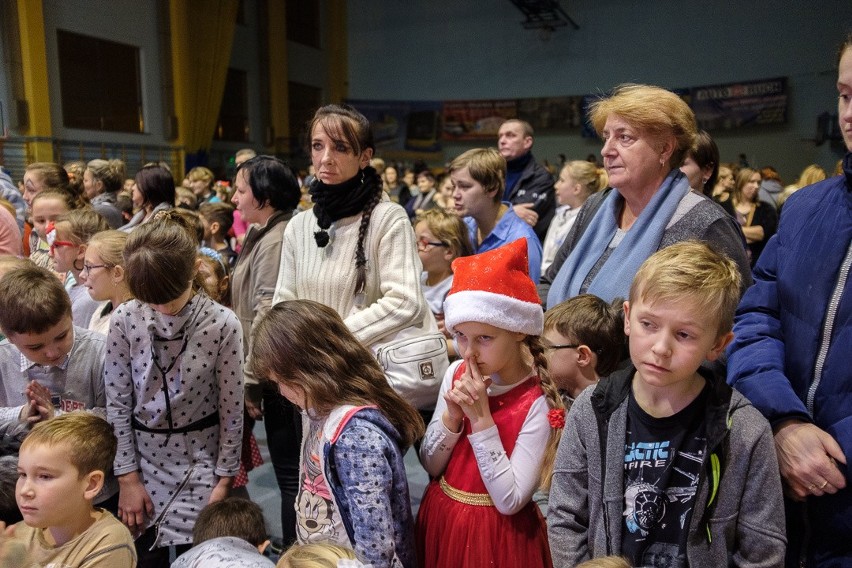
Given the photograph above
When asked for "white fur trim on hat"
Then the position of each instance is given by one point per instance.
(498, 310)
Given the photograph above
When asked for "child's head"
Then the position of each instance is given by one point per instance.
(577, 180)
(41, 176)
(691, 272)
(230, 517)
(62, 465)
(584, 339)
(305, 348)
(104, 265)
(185, 199)
(159, 261)
(8, 263)
(47, 206)
(493, 289)
(605, 562)
(103, 176)
(189, 220)
(213, 272)
(681, 307)
(318, 555)
(448, 231)
(70, 235)
(217, 218)
(35, 314)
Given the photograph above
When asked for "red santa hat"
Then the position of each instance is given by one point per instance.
(494, 287)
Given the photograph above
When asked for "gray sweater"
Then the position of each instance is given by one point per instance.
(742, 526)
(696, 217)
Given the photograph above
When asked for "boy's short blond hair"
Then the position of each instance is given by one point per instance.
(589, 320)
(315, 555)
(89, 440)
(691, 271)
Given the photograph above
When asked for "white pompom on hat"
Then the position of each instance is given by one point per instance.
(495, 288)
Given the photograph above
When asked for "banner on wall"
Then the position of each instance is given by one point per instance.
(552, 114)
(404, 130)
(734, 105)
(476, 120)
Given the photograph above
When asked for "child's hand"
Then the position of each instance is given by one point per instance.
(221, 489)
(40, 405)
(13, 552)
(470, 393)
(134, 503)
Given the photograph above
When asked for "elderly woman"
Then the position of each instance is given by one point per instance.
(266, 193)
(647, 132)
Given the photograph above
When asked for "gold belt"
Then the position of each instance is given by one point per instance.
(481, 499)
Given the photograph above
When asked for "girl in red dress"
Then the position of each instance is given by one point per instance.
(492, 439)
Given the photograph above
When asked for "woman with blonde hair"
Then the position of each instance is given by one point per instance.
(757, 218)
(201, 183)
(647, 132)
(809, 176)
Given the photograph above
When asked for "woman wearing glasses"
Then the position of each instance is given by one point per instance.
(479, 178)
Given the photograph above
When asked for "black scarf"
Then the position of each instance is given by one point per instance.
(333, 202)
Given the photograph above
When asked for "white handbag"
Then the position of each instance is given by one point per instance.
(414, 360)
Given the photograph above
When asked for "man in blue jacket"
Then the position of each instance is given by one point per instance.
(792, 354)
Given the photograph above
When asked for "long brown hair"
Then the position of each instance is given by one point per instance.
(306, 345)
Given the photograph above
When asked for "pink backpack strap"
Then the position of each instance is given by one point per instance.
(346, 417)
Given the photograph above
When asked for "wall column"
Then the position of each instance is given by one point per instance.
(36, 91)
(279, 96)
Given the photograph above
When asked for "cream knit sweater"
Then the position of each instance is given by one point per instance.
(327, 275)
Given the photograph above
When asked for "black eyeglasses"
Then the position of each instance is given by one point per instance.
(89, 267)
(566, 346)
(423, 244)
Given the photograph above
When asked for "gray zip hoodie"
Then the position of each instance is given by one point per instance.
(738, 518)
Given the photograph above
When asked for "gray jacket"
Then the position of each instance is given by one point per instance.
(740, 524)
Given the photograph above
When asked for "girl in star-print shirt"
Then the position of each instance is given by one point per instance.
(174, 386)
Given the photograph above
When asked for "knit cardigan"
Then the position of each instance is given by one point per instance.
(394, 299)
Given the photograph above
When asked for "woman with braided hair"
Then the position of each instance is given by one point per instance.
(355, 250)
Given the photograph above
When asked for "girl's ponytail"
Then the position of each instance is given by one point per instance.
(556, 414)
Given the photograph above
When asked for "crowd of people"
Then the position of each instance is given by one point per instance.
(633, 364)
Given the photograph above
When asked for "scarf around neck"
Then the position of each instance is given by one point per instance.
(641, 241)
(334, 202)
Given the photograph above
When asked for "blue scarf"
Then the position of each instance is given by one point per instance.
(641, 241)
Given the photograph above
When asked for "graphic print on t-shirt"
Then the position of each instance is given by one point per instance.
(662, 462)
